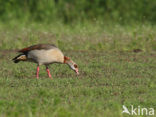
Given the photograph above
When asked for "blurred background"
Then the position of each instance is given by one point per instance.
(69, 11)
(99, 24)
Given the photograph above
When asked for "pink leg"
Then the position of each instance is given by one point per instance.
(48, 71)
(37, 72)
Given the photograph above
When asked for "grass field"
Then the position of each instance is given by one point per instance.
(117, 67)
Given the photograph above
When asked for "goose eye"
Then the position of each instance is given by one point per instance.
(75, 65)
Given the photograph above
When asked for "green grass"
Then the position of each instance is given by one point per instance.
(111, 74)
(83, 36)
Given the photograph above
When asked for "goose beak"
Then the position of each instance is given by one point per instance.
(77, 71)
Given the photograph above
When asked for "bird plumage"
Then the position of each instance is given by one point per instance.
(38, 47)
(20, 57)
(41, 54)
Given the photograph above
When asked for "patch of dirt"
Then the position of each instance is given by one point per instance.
(137, 50)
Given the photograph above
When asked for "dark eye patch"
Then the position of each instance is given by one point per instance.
(75, 65)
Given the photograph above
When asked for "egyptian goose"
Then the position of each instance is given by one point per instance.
(44, 54)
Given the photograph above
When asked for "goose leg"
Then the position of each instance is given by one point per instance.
(37, 72)
(48, 71)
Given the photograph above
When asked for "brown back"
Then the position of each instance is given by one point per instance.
(38, 47)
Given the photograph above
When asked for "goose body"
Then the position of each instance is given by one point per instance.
(45, 57)
(44, 54)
